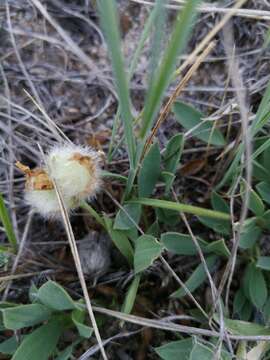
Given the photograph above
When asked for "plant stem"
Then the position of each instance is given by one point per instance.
(5, 219)
(93, 213)
(170, 205)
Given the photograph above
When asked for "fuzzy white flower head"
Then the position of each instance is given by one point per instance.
(76, 171)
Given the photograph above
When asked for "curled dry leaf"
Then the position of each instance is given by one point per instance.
(193, 167)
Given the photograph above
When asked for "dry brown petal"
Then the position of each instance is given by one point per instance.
(25, 169)
(36, 179)
(83, 160)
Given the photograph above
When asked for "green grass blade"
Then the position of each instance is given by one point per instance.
(146, 31)
(170, 205)
(233, 168)
(267, 39)
(196, 278)
(261, 149)
(262, 117)
(164, 74)
(263, 113)
(108, 174)
(109, 20)
(131, 295)
(135, 58)
(4, 217)
(157, 38)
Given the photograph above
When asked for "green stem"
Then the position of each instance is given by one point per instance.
(170, 205)
(5, 219)
(134, 62)
(93, 213)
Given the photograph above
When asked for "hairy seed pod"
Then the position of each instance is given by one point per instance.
(76, 171)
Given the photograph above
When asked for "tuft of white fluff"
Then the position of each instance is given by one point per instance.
(76, 171)
(74, 178)
(45, 202)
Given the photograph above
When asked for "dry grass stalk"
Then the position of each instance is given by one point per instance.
(209, 37)
(73, 47)
(165, 325)
(78, 265)
(176, 93)
(207, 8)
(19, 254)
(247, 163)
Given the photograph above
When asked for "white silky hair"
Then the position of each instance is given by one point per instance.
(76, 182)
(45, 202)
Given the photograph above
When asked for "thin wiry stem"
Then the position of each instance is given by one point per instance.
(247, 158)
(77, 261)
(210, 36)
(60, 135)
(49, 124)
(176, 93)
(165, 325)
(19, 254)
(24, 71)
(77, 14)
(22, 276)
(93, 349)
(222, 329)
(73, 47)
(183, 285)
(207, 8)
